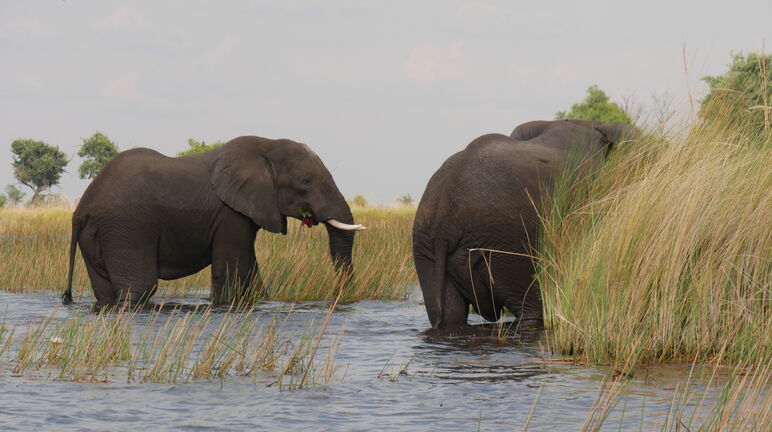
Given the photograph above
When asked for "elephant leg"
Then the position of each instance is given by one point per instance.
(233, 274)
(103, 289)
(104, 293)
(133, 269)
(518, 290)
(476, 277)
(234, 265)
(481, 287)
(445, 304)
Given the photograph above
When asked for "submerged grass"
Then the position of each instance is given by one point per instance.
(296, 267)
(173, 347)
(666, 254)
(744, 403)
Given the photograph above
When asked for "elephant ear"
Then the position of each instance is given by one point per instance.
(243, 179)
(615, 133)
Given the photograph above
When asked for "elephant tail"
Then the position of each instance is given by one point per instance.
(440, 263)
(76, 225)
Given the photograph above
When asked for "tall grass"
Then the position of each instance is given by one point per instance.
(176, 347)
(666, 254)
(296, 267)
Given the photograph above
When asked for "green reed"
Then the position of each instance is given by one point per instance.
(665, 254)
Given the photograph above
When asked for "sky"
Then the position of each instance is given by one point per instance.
(383, 91)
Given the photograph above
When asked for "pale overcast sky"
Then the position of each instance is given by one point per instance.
(383, 91)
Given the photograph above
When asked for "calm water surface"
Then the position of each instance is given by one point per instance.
(462, 383)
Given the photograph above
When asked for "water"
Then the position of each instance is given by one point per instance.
(462, 383)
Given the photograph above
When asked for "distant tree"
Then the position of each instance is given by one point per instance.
(14, 194)
(596, 106)
(741, 96)
(37, 165)
(197, 147)
(54, 200)
(359, 201)
(96, 151)
(2, 201)
(405, 200)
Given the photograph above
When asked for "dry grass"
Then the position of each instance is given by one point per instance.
(297, 267)
(176, 346)
(666, 254)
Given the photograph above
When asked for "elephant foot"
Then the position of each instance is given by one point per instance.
(526, 324)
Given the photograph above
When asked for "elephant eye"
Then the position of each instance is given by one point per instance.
(306, 181)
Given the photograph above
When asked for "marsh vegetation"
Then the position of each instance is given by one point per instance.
(662, 257)
(295, 267)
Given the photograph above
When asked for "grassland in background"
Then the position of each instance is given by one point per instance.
(297, 267)
(667, 255)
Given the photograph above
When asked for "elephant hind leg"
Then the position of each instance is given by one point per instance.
(521, 294)
(103, 289)
(133, 270)
(470, 271)
(453, 309)
(481, 287)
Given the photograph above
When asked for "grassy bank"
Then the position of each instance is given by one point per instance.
(666, 255)
(296, 267)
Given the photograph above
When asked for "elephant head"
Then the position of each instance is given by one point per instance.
(270, 180)
(593, 134)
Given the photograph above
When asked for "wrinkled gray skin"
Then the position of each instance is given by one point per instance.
(486, 196)
(148, 216)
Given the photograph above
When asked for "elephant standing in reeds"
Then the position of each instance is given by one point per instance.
(148, 216)
(486, 197)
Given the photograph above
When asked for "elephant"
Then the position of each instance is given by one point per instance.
(148, 216)
(486, 198)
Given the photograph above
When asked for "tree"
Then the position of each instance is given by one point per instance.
(197, 147)
(14, 194)
(596, 106)
(37, 165)
(405, 200)
(96, 151)
(359, 201)
(2, 201)
(741, 97)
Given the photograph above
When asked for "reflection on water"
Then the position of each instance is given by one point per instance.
(393, 375)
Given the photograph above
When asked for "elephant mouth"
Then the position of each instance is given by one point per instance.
(308, 219)
(307, 216)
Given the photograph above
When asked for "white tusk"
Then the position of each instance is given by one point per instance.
(346, 227)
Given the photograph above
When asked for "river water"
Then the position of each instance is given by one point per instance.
(393, 375)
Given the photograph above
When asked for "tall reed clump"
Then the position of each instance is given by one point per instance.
(177, 346)
(665, 254)
(296, 267)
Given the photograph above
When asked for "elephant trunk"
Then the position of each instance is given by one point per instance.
(340, 230)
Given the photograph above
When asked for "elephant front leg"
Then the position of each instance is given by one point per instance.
(235, 275)
(235, 279)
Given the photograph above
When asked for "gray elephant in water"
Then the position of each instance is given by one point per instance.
(148, 216)
(485, 197)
